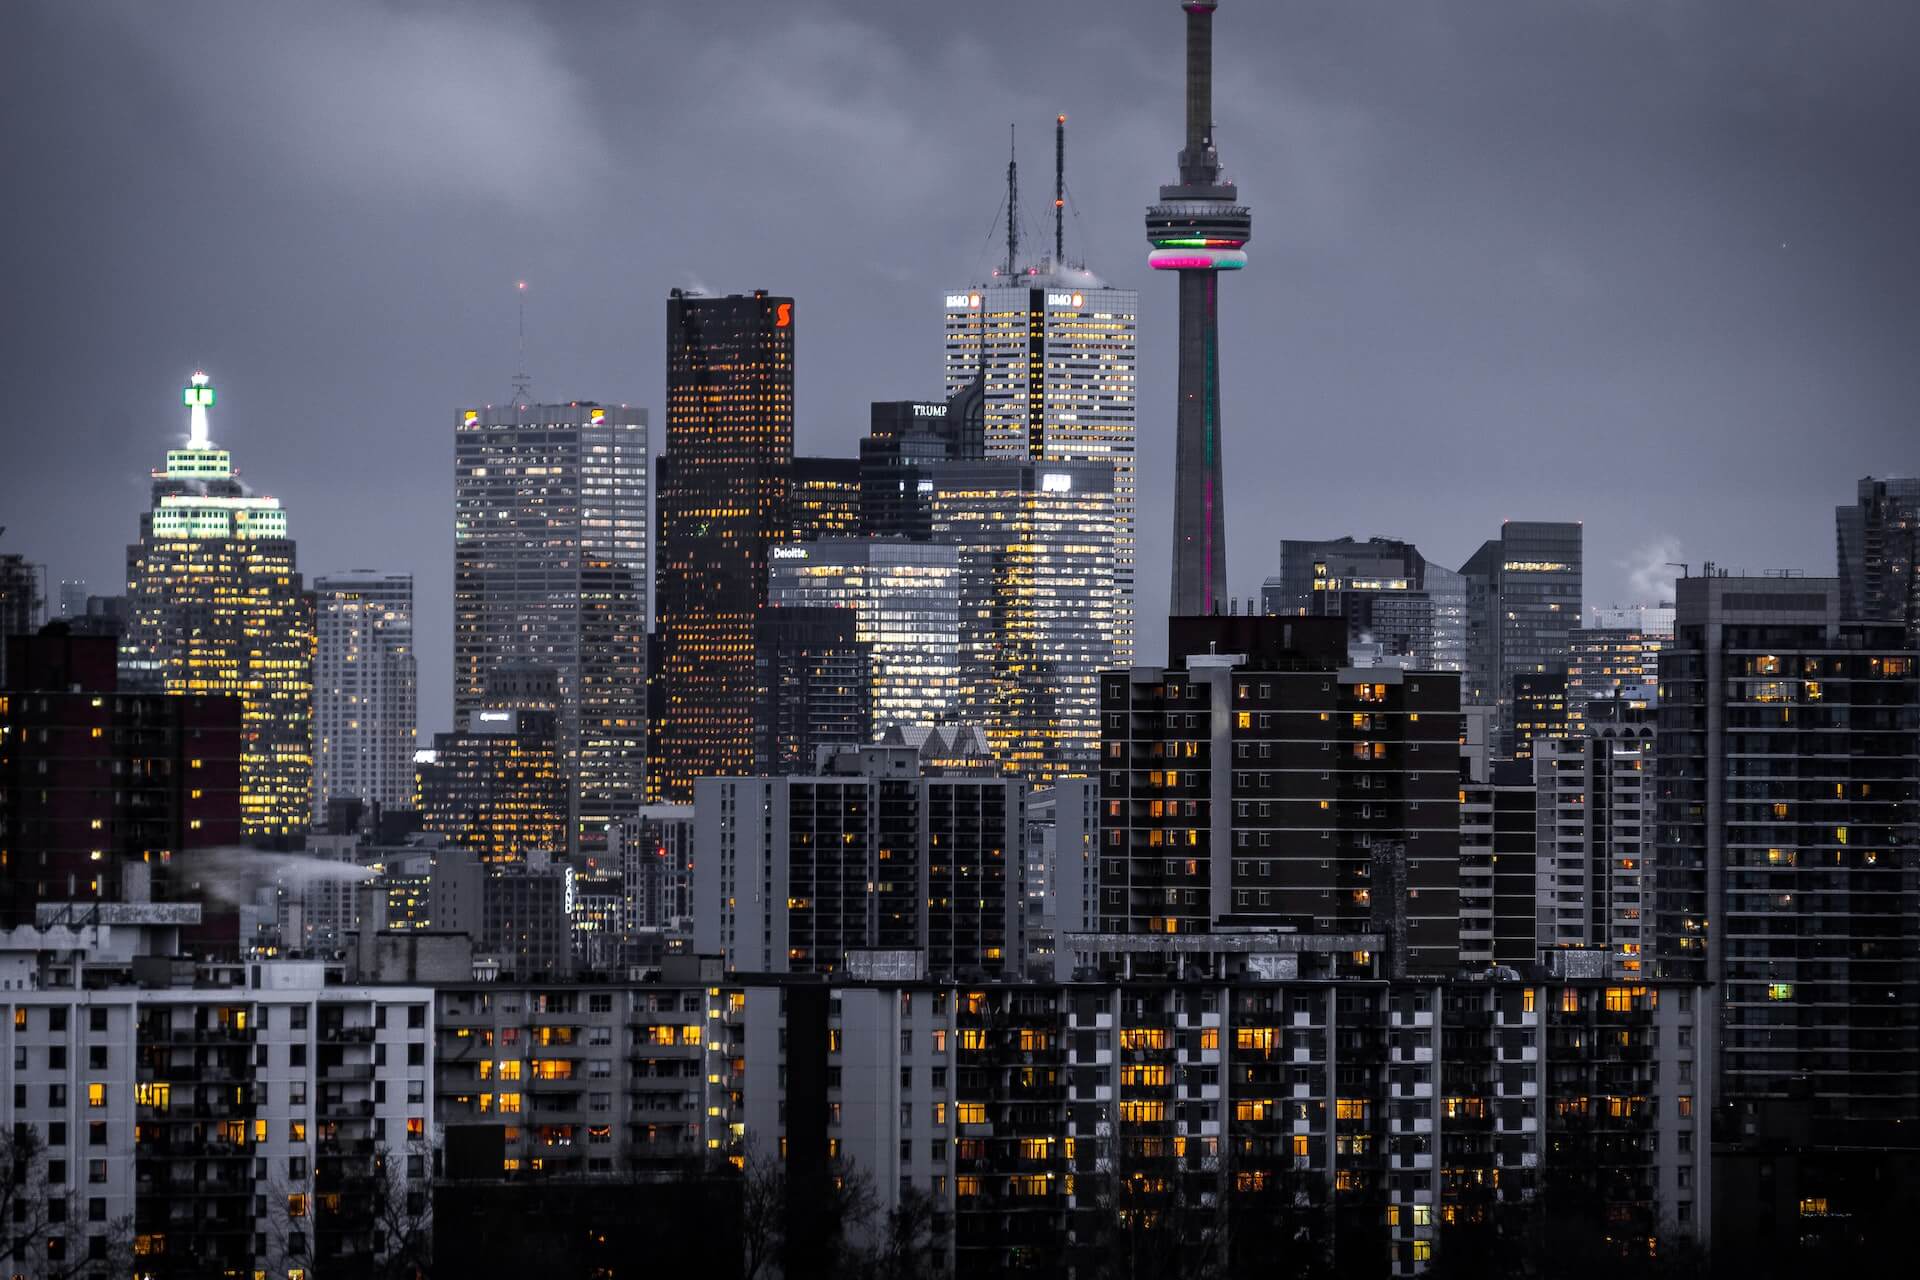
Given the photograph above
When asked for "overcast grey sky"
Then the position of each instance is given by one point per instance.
(1650, 264)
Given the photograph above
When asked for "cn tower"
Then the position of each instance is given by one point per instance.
(1199, 229)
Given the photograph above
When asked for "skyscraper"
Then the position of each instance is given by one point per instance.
(908, 438)
(550, 569)
(1523, 602)
(496, 785)
(725, 500)
(816, 677)
(216, 605)
(1388, 592)
(1037, 605)
(905, 599)
(1054, 348)
(1879, 552)
(826, 498)
(1199, 229)
(365, 694)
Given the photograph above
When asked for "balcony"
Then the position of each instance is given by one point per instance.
(205, 1035)
(346, 1073)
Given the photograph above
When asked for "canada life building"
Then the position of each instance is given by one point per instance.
(1058, 348)
(216, 605)
(550, 570)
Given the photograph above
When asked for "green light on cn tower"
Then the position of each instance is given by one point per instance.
(198, 394)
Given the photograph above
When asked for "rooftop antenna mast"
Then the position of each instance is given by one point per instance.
(1059, 190)
(522, 381)
(1013, 202)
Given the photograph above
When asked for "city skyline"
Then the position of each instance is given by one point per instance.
(1672, 264)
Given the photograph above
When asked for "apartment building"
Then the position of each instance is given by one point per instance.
(259, 1118)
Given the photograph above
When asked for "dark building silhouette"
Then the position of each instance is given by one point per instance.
(906, 440)
(1879, 548)
(22, 601)
(725, 500)
(816, 681)
(1523, 602)
(96, 782)
(1390, 595)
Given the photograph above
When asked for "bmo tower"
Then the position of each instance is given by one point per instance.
(1199, 229)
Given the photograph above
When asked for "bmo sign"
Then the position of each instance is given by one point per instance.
(1066, 299)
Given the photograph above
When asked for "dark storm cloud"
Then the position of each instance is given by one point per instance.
(1645, 264)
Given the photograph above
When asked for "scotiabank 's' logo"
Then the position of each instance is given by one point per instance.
(783, 315)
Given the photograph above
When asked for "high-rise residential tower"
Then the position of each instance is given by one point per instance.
(1879, 551)
(1613, 663)
(1259, 781)
(873, 849)
(1595, 789)
(1199, 229)
(725, 500)
(1788, 814)
(215, 605)
(365, 695)
(550, 569)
